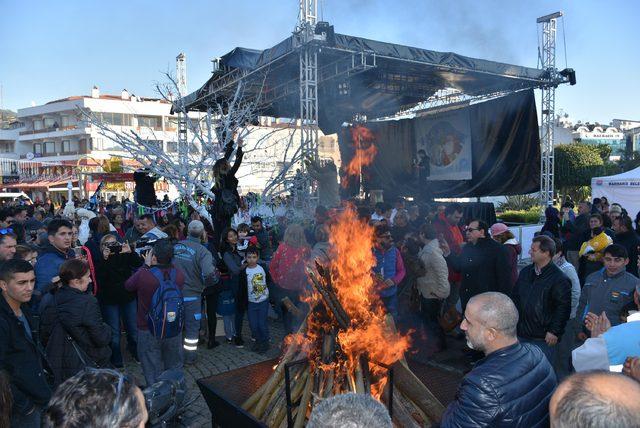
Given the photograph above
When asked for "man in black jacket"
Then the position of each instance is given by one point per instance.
(483, 263)
(20, 353)
(542, 295)
(512, 385)
(628, 238)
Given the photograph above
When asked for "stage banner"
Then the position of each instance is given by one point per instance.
(446, 140)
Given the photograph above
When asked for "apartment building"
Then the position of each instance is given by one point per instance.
(58, 131)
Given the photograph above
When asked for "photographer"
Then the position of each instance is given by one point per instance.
(113, 268)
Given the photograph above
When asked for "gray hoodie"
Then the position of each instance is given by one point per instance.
(196, 262)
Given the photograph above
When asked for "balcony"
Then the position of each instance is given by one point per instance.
(51, 129)
(60, 131)
(45, 155)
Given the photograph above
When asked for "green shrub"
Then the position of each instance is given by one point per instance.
(519, 202)
(530, 216)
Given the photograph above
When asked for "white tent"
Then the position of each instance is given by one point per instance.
(623, 189)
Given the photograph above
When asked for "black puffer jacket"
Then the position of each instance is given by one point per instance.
(484, 267)
(23, 360)
(80, 314)
(543, 301)
(510, 387)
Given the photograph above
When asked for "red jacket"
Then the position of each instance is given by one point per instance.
(454, 236)
(287, 267)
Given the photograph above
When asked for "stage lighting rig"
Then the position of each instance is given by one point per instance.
(570, 75)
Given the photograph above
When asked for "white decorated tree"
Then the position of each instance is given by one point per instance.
(189, 169)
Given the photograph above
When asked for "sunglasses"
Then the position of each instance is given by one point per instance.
(6, 230)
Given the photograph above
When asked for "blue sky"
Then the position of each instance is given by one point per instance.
(53, 49)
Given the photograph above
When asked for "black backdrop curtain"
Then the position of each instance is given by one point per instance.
(505, 149)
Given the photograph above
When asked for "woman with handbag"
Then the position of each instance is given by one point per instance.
(71, 325)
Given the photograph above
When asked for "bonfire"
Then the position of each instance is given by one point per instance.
(346, 344)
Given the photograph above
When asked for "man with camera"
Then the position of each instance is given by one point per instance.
(158, 345)
(196, 262)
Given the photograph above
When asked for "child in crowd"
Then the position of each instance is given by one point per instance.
(254, 280)
(227, 303)
(245, 240)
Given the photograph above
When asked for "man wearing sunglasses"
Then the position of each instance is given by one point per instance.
(8, 242)
(482, 262)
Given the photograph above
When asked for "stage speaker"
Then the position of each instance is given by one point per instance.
(570, 74)
(323, 27)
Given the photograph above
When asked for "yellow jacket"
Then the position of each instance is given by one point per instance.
(593, 248)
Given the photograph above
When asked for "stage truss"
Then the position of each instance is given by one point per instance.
(396, 78)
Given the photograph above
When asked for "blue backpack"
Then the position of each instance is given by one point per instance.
(166, 314)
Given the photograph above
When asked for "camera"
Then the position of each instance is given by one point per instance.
(115, 247)
(143, 245)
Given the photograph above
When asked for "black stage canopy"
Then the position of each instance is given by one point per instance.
(356, 76)
(494, 150)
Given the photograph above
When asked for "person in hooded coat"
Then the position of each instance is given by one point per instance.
(500, 233)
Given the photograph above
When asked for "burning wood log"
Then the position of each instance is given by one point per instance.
(349, 343)
(287, 303)
(414, 390)
(304, 403)
(330, 300)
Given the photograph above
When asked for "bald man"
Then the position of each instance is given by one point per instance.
(513, 383)
(596, 400)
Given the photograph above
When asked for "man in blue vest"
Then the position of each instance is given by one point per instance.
(389, 269)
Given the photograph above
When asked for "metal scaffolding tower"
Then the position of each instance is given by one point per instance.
(305, 34)
(181, 83)
(547, 53)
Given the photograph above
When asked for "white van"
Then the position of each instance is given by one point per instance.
(12, 196)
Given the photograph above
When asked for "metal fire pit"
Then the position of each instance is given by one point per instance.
(225, 392)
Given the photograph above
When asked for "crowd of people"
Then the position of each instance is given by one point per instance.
(160, 281)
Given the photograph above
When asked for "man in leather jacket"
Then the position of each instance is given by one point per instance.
(483, 263)
(512, 384)
(542, 295)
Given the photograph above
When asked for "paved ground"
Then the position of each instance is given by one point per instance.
(213, 361)
(227, 357)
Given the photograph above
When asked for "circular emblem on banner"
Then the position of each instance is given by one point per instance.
(598, 182)
(30, 156)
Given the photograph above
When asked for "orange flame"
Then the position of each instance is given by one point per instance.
(351, 277)
(365, 152)
(368, 332)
